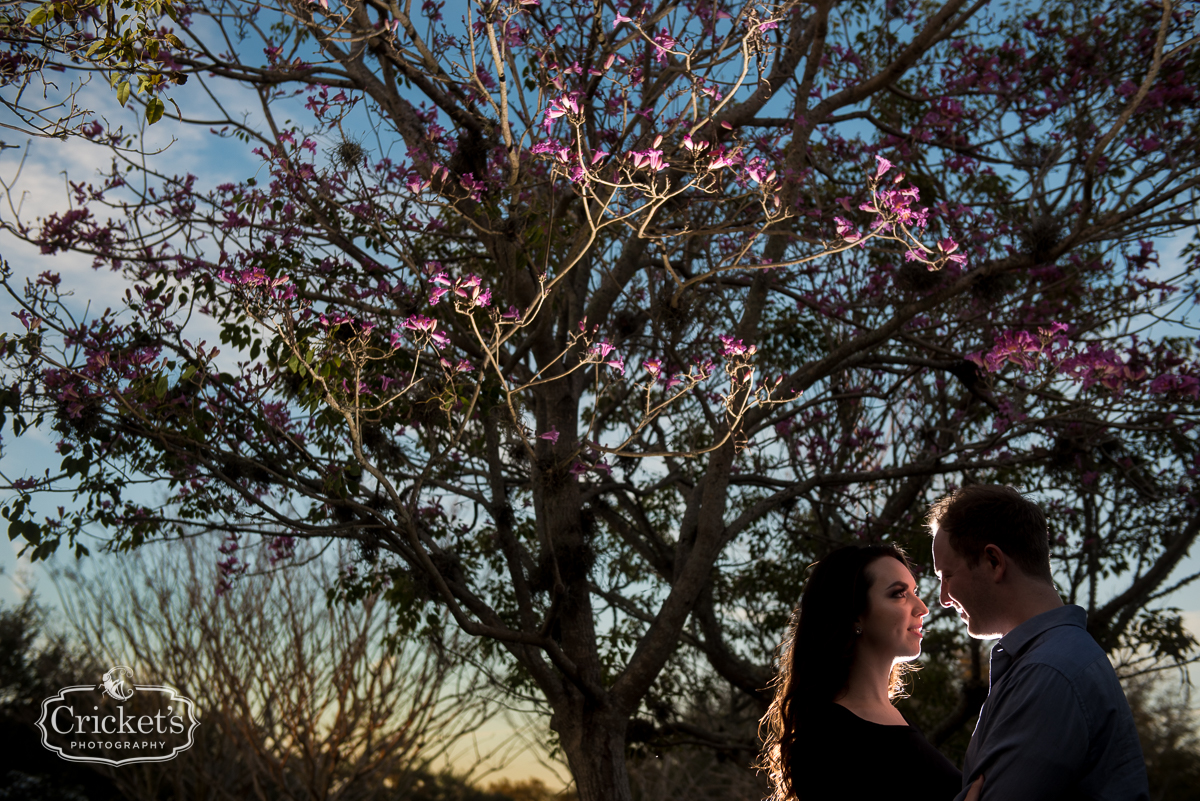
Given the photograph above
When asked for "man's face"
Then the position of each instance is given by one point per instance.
(964, 588)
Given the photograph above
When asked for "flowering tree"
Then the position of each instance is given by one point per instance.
(595, 323)
(42, 39)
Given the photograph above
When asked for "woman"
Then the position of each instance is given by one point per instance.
(831, 731)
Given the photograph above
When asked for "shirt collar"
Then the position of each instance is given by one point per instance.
(1017, 640)
(1066, 615)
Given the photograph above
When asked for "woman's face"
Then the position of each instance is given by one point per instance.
(892, 623)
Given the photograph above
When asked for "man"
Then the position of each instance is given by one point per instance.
(1056, 724)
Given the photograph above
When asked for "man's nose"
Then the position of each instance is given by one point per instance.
(943, 596)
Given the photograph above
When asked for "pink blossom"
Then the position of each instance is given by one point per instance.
(1178, 384)
(549, 146)
(845, 230)
(566, 105)
(652, 159)
(30, 321)
(419, 322)
(331, 321)
(601, 349)
(1103, 366)
(1056, 331)
(760, 171)
(734, 347)
(663, 43)
(551, 435)
(281, 548)
(1018, 347)
(474, 188)
(882, 166)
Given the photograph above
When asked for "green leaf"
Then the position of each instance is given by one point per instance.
(38, 16)
(154, 110)
(123, 92)
(160, 388)
(31, 532)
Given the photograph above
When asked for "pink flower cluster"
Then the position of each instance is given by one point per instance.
(900, 203)
(734, 347)
(255, 278)
(651, 159)
(1022, 348)
(281, 549)
(600, 353)
(673, 378)
(231, 566)
(567, 106)
(424, 328)
(468, 290)
(1103, 366)
(1090, 366)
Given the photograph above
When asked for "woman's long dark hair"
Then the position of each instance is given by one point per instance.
(815, 656)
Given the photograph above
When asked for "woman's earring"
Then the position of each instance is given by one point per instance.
(858, 629)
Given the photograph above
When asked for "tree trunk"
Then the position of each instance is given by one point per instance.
(593, 740)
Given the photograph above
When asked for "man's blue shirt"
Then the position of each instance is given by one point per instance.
(1056, 724)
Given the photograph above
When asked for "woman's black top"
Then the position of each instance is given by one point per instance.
(838, 755)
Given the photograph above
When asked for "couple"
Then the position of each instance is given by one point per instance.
(1056, 724)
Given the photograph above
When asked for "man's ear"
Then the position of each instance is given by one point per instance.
(996, 561)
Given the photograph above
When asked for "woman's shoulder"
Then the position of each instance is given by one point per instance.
(828, 724)
(826, 711)
(834, 713)
(832, 742)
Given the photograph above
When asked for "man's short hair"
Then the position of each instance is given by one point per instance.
(979, 515)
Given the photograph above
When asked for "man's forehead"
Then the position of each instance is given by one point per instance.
(941, 547)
